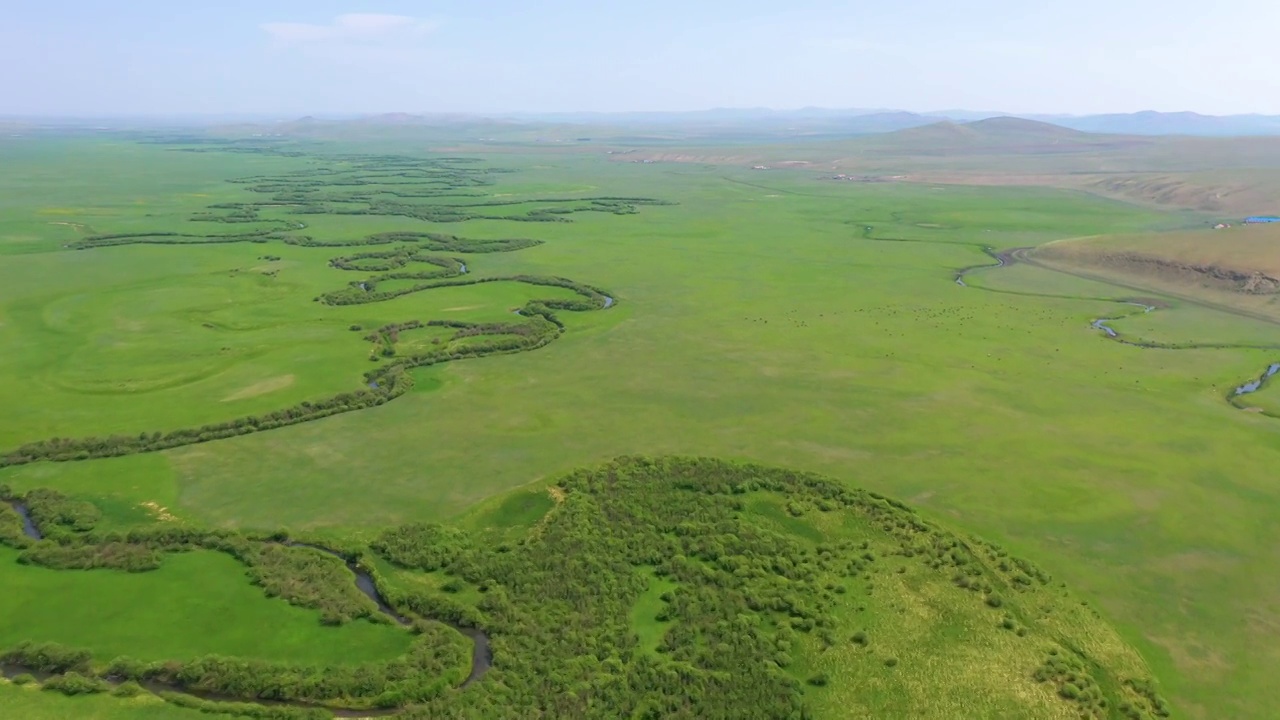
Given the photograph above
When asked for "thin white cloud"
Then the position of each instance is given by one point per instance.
(354, 27)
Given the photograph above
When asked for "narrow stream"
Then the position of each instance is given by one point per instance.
(1009, 257)
(481, 653)
(1256, 385)
(28, 525)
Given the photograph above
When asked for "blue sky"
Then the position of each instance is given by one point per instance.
(323, 57)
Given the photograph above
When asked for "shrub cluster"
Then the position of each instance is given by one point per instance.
(57, 515)
(115, 555)
(310, 578)
(421, 546)
(11, 532)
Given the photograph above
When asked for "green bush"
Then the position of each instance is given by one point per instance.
(421, 546)
(128, 689)
(73, 683)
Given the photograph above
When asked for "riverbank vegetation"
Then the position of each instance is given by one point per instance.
(785, 595)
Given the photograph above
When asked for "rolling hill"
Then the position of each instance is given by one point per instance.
(998, 135)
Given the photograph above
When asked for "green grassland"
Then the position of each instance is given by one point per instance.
(199, 603)
(757, 319)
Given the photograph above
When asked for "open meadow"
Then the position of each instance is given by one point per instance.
(370, 398)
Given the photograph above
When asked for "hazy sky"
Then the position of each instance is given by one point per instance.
(321, 56)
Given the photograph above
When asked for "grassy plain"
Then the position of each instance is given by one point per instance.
(755, 321)
(199, 603)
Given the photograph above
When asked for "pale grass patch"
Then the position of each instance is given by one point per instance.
(158, 511)
(261, 388)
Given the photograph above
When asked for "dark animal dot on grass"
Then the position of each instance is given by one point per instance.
(891, 662)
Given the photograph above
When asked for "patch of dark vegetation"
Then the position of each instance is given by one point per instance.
(1073, 677)
(11, 527)
(73, 683)
(57, 515)
(309, 578)
(115, 555)
(430, 669)
(47, 658)
(243, 709)
(421, 546)
(168, 238)
(1147, 700)
(381, 185)
(435, 242)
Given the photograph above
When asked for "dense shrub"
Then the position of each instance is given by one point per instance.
(115, 555)
(128, 689)
(56, 514)
(421, 546)
(73, 683)
(241, 709)
(47, 658)
(310, 578)
(11, 532)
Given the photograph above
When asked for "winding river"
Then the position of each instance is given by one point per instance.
(1006, 258)
(481, 654)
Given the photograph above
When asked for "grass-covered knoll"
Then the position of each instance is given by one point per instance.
(670, 587)
(659, 588)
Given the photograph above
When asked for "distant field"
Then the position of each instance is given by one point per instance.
(1229, 177)
(769, 316)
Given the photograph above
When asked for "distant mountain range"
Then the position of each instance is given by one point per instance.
(857, 121)
(729, 124)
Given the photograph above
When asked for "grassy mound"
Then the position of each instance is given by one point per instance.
(684, 587)
(671, 587)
